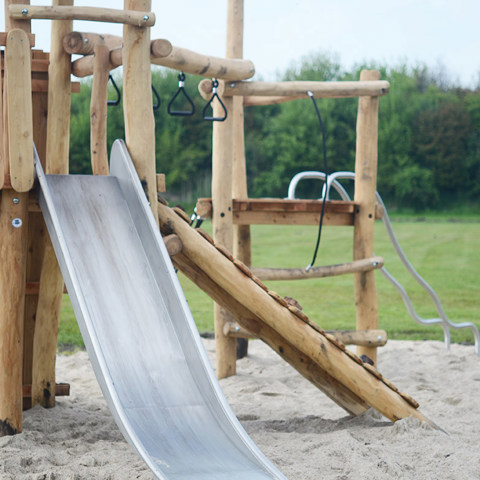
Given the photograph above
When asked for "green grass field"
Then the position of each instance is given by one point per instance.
(446, 253)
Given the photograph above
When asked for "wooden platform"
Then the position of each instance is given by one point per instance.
(274, 211)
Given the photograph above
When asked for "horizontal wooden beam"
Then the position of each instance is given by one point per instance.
(83, 43)
(366, 338)
(163, 53)
(207, 66)
(93, 14)
(61, 390)
(299, 89)
(364, 265)
(267, 211)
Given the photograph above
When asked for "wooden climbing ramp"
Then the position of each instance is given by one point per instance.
(317, 355)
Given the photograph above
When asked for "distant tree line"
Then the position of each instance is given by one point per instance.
(429, 137)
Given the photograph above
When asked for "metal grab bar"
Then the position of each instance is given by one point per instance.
(443, 319)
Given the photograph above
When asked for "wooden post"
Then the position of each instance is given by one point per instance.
(56, 162)
(13, 259)
(36, 231)
(98, 111)
(365, 188)
(137, 102)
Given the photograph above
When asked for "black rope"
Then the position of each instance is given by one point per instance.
(324, 142)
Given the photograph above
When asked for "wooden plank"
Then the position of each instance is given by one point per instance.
(93, 14)
(291, 218)
(161, 187)
(137, 102)
(301, 333)
(13, 258)
(319, 89)
(365, 187)
(3, 134)
(19, 100)
(33, 287)
(98, 111)
(364, 265)
(40, 86)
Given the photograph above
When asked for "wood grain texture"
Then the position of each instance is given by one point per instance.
(301, 334)
(98, 111)
(137, 102)
(19, 103)
(13, 259)
(365, 188)
(94, 14)
(83, 43)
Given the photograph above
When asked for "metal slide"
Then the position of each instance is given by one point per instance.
(138, 330)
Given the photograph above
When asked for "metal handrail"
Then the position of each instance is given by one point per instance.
(443, 319)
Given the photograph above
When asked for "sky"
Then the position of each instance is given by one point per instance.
(442, 34)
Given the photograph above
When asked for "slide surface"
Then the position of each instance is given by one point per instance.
(139, 332)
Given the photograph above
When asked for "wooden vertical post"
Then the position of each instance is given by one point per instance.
(137, 102)
(227, 144)
(13, 258)
(36, 230)
(241, 233)
(98, 111)
(56, 162)
(365, 188)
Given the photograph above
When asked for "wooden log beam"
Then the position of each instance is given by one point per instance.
(300, 88)
(19, 103)
(13, 263)
(304, 365)
(365, 291)
(61, 390)
(83, 43)
(3, 39)
(56, 162)
(137, 102)
(364, 265)
(13, 258)
(93, 14)
(367, 338)
(98, 111)
(289, 323)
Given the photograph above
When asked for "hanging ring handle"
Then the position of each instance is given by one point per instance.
(156, 106)
(114, 103)
(181, 90)
(209, 104)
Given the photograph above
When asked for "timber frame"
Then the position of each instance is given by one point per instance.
(38, 87)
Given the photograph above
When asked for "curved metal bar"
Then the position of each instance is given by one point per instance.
(443, 320)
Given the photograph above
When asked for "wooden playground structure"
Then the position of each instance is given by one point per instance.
(36, 90)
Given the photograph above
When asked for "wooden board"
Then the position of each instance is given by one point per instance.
(19, 102)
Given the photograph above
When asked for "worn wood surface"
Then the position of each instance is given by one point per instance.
(365, 187)
(137, 102)
(98, 111)
(83, 67)
(13, 259)
(56, 162)
(319, 89)
(367, 338)
(94, 14)
(83, 43)
(364, 265)
(289, 323)
(19, 103)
